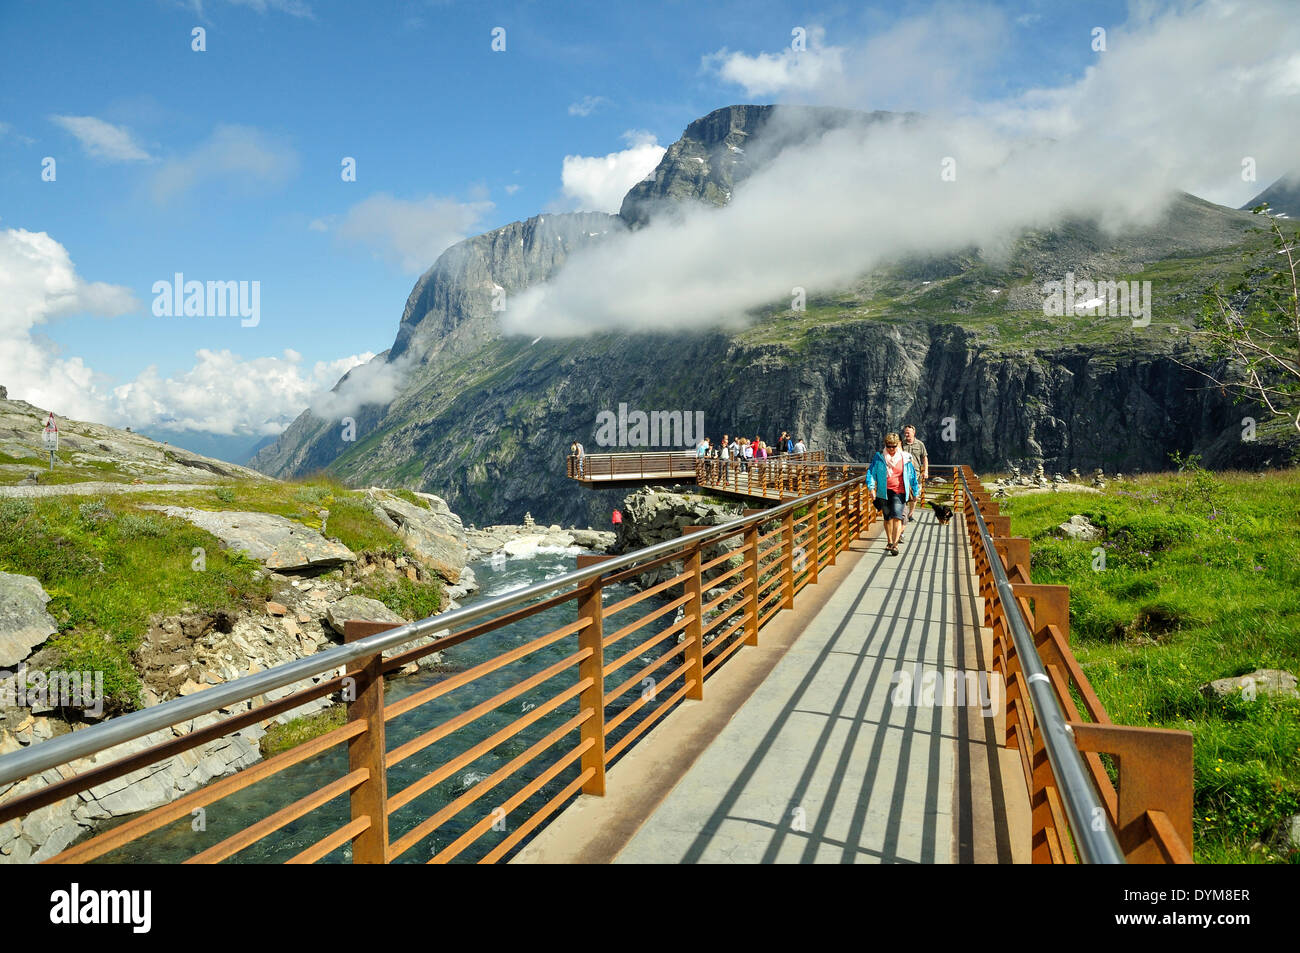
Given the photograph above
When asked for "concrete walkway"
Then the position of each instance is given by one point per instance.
(831, 759)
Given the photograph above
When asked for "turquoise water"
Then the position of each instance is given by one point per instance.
(179, 841)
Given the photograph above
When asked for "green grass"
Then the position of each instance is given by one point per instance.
(280, 738)
(107, 567)
(1200, 581)
(410, 600)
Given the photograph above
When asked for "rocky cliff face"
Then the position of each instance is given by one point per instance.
(958, 346)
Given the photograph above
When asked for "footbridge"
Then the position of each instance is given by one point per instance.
(772, 689)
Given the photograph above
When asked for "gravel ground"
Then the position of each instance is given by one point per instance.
(97, 488)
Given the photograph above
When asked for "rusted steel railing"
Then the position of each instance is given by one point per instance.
(1074, 806)
(726, 582)
(678, 465)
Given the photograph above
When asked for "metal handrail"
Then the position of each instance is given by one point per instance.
(66, 748)
(1081, 800)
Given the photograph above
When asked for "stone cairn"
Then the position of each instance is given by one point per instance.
(1099, 479)
(1075, 475)
(1040, 477)
(529, 522)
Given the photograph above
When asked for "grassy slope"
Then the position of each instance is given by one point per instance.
(1200, 582)
(109, 565)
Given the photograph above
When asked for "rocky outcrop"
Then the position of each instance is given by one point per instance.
(431, 531)
(97, 452)
(24, 623)
(278, 542)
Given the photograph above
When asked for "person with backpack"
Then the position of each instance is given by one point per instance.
(892, 480)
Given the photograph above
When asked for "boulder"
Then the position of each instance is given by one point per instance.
(277, 541)
(24, 623)
(360, 608)
(1262, 681)
(1080, 527)
(435, 535)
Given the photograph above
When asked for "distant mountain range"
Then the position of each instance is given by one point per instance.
(485, 420)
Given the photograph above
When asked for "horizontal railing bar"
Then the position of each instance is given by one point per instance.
(617, 693)
(644, 594)
(434, 821)
(486, 667)
(723, 616)
(85, 780)
(612, 723)
(654, 716)
(181, 807)
(331, 842)
(644, 621)
(541, 814)
(453, 639)
(712, 604)
(409, 793)
(255, 832)
(611, 667)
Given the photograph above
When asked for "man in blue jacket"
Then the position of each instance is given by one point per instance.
(892, 480)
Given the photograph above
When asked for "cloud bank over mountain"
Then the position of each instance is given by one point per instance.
(1113, 145)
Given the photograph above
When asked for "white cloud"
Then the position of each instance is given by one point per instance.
(587, 105)
(221, 393)
(102, 139)
(224, 393)
(239, 157)
(775, 73)
(1178, 99)
(411, 232)
(929, 61)
(38, 284)
(598, 183)
(367, 383)
(512, 188)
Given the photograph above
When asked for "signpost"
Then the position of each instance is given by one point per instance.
(50, 435)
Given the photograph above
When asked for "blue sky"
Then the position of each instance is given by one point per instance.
(225, 164)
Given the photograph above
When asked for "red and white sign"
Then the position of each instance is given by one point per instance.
(51, 434)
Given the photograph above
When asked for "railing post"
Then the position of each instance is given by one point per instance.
(834, 548)
(751, 583)
(367, 750)
(787, 559)
(1155, 774)
(694, 629)
(816, 539)
(593, 667)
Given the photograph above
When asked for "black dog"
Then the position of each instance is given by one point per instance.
(943, 512)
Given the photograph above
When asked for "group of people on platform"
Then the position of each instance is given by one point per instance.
(745, 450)
(894, 477)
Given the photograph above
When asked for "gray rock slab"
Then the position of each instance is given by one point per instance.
(277, 541)
(24, 623)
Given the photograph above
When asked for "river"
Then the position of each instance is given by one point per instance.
(178, 841)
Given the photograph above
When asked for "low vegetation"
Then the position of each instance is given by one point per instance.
(108, 565)
(1195, 579)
